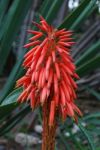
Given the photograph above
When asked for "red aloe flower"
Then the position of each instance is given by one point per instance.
(50, 72)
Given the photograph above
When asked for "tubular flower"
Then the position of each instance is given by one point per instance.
(50, 72)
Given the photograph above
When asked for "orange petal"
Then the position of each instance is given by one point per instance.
(55, 84)
(52, 113)
(48, 63)
(31, 44)
(63, 98)
(66, 68)
(53, 56)
(70, 109)
(36, 37)
(33, 32)
(50, 79)
(66, 91)
(39, 26)
(57, 70)
(40, 78)
(43, 78)
(43, 95)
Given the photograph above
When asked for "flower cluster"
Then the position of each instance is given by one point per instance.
(50, 71)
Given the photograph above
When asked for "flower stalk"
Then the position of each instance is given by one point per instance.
(49, 132)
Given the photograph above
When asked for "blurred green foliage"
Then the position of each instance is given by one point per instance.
(11, 19)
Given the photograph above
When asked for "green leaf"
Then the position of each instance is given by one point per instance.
(89, 66)
(9, 103)
(14, 120)
(89, 138)
(12, 97)
(70, 20)
(52, 13)
(94, 93)
(45, 7)
(7, 106)
(93, 115)
(62, 139)
(87, 11)
(50, 9)
(12, 78)
(3, 7)
(7, 109)
(88, 54)
(14, 20)
(73, 137)
(94, 122)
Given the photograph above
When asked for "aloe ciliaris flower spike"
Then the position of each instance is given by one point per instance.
(49, 76)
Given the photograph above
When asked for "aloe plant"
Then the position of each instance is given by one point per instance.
(85, 53)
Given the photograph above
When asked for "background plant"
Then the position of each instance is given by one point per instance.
(15, 18)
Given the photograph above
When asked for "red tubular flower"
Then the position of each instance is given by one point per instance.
(50, 72)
